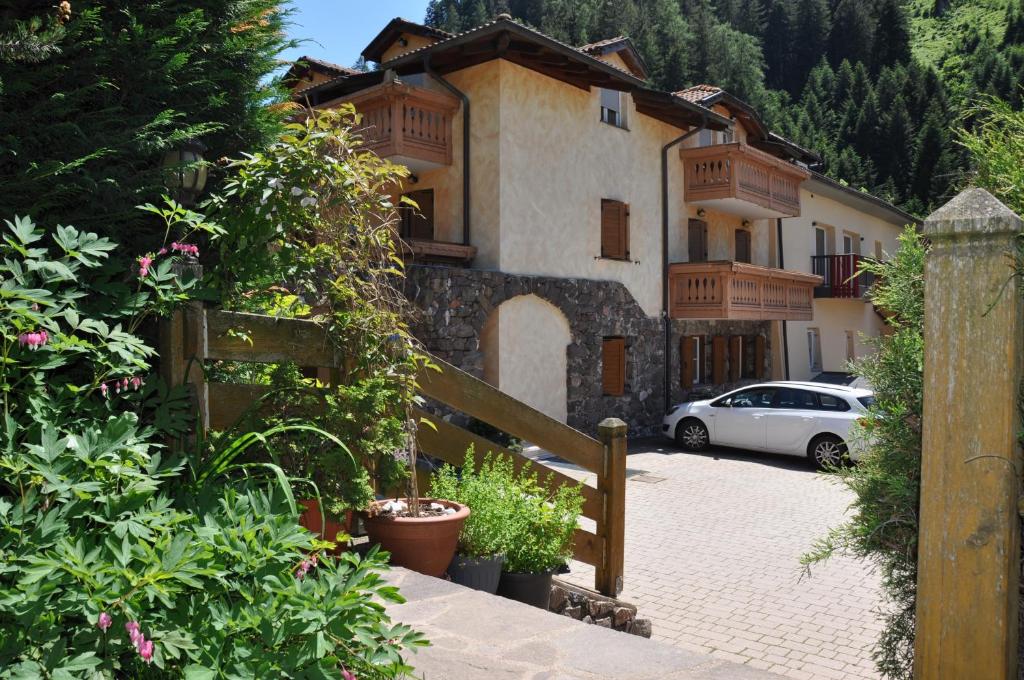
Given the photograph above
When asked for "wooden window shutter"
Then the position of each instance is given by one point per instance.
(697, 240)
(718, 359)
(613, 366)
(688, 371)
(614, 229)
(760, 372)
(735, 357)
(742, 245)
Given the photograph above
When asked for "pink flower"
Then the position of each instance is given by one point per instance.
(136, 383)
(124, 383)
(162, 251)
(347, 674)
(146, 651)
(33, 340)
(104, 621)
(144, 263)
(104, 389)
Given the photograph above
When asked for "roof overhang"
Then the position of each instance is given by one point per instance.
(863, 201)
(625, 48)
(393, 31)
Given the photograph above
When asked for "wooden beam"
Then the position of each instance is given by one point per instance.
(450, 443)
(476, 398)
(236, 336)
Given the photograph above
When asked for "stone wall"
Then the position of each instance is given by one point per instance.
(594, 608)
(455, 304)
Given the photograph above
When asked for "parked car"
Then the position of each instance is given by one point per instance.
(795, 418)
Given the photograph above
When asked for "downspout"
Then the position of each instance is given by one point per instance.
(785, 329)
(664, 255)
(465, 143)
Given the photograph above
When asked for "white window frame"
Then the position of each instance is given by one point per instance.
(619, 119)
(814, 350)
(824, 240)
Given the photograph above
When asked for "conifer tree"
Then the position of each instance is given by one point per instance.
(851, 34)
(810, 40)
(778, 44)
(892, 34)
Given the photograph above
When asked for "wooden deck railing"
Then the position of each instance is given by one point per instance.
(738, 171)
(197, 334)
(410, 122)
(736, 290)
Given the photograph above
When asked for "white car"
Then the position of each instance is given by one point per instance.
(796, 418)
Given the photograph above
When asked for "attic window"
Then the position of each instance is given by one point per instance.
(613, 108)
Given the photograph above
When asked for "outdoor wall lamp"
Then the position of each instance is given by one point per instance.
(186, 176)
(745, 223)
(701, 212)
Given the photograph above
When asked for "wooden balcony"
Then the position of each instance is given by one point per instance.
(408, 125)
(840, 276)
(741, 180)
(739, 291)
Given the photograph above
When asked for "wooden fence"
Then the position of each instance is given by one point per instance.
(197, 334)
(969, 552)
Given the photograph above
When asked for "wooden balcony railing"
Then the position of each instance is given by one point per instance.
(738, 291)
(721, 173)
(839, 276)
(411, 125)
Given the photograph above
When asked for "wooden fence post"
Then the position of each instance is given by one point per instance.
(611, 482)
(969, 543)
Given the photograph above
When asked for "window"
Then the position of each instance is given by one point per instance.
(851, 243)
(828, 402)
(814, 349)
(757, 398)
(851, 352)
(726, 136)
(614, 229)
(613, 367)
(795, 399)
(697, 240)
(691, 360)
(613, 107)
(878, 251)
(820, 241)
(742, 245)
(867, 402)
(418, 222)
(705, 138)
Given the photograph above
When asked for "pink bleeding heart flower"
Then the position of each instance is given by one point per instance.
(136, 383)
(33, 340)
(144, 262)
(162, 251)
(146, 651)
(104, 389)
(104, 621)
(347, 675)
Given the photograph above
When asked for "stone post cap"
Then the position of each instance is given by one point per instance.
(612, 427)
(973, 211)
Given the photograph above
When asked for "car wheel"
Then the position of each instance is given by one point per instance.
(827, 452)
(692, 435)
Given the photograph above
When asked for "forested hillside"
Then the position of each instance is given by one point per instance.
(874, 86)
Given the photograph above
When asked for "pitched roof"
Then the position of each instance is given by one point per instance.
(630, 54)
(698, 93)
(303, 66)
(395, 28)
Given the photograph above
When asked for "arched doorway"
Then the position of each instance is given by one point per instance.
(523, 344)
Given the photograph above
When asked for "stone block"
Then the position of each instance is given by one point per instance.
(558, 599)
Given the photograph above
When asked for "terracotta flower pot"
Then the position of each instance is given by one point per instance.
(310, 518)
(423, 544)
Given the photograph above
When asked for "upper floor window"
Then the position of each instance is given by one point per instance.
(851, 243)
(743, 245)
(711, 137)
(418, 222)
(613, 107)
(614, 229)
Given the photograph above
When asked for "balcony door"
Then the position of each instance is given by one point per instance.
(698, 240)
(418, 222)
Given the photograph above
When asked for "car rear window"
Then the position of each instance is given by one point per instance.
(829, 402)
(868, 401)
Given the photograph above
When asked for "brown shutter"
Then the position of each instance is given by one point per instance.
(735, 357)
(688, 370)
(613, 366)
(698, 240)
(614, 229)
(760, 372)
(718, 359)
(742, 245)
(418, 222)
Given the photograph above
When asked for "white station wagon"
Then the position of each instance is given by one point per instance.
(795, 418)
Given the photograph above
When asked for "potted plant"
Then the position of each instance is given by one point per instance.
(486, 491)
(539, 541)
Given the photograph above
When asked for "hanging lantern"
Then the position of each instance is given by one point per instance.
(186, 172)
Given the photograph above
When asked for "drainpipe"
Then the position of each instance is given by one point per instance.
(785, 329)
(664, 256)
(465, 143)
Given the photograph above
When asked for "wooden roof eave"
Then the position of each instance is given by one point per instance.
(677, 111)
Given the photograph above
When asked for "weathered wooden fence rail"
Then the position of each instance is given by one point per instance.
(969, 553)
(196, 335)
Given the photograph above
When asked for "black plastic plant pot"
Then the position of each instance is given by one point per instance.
(531, 588)
(478, 573)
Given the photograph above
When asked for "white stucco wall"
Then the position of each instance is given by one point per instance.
(532, 336)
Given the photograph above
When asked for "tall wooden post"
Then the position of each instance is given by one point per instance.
(969, 545)
(611, 482)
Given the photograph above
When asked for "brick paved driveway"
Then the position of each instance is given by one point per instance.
(712, 548)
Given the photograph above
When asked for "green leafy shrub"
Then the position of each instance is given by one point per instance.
(886, 481)
(512, 513)
(101, 528)
(488, 490)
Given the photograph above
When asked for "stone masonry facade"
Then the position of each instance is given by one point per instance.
(455, 303)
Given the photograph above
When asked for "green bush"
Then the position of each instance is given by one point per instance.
(518, 516)
(488, 492)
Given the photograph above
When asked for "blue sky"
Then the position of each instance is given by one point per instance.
(337, 30)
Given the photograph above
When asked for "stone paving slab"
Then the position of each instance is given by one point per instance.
(476, 636)
(713, 543)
